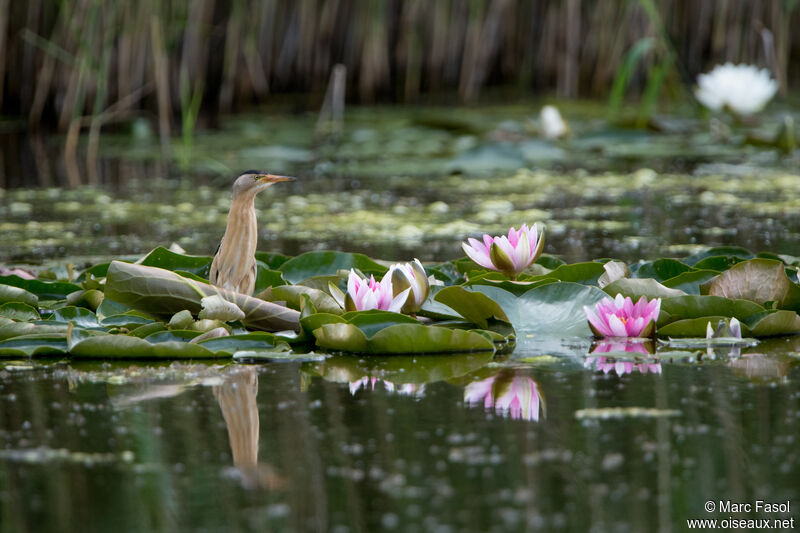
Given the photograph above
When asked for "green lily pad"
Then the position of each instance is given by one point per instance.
(690, 281)
(34, 345)
(81, 316)
(583, 273)
(326, 263)
(267, 278)
(474, 305)
(661, 269)
(317, 320)
(689, 306)
(129, 320)
(176, 335)
(635, 288)
(419, 339)
(125, 347)
(292, 295)
(168, 260)
(9, 293)
(272, 260)
(720, 251)
(774, 324)
(719, 263)
(341, 337)
(15, 329)
(19, 311)
(148, 329)
(373, 321)
(693, 327)
(255, 341)
(46, 290)
(163, 293)
(553, 310)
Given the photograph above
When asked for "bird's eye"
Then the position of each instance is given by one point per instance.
(255, 178)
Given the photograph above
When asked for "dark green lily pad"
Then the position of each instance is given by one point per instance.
(419, 339)
(46, 290)
(327, 263)
(373, 321)
(774, 324)
(661, 269)
(129, 320)
(720, 251)
(15, 329)
(176, 335)
(272, 260)
(168, 260)
(719, 263)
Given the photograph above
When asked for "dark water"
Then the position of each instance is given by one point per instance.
(309, 447)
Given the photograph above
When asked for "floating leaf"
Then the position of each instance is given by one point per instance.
(585, 273)
(683, 307)
(474, 306)
(553, 310)
(327, 263)
(342, 337)
(689, 282)
(9, 293)
(91, 298)
(292, 295)
(229, 345)
(661, 269)
(19, 311)
(15, 329)
(126, 347)
(168, 260)
(635, 288)
(419, 339)
(757, 280)
(775, 323)
(215, 307)
(34, 345)
(272, 260)
(162, 293)
(724, 251)
(46, 290)
(129, 320)
(267, 278)
(373, 321)
(177, 335)
(614, 270)
(82, 317)
(692, 327)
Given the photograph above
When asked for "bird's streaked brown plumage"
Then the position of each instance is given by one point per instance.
(234, 264)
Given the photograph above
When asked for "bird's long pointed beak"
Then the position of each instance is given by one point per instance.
(272, 178)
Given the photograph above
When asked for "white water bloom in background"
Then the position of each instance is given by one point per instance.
(553, 124)
(743, 89)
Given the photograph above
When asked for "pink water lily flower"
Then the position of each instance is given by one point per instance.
(508, 254)
(518, 397)
(363, 294)
(621, 318)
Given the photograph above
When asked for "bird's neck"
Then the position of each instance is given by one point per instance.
(241, 232)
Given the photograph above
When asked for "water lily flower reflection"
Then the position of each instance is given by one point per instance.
(618, 365)
(410, 276)
(363, 294)
(404, 389)
(744, 89)
(518, 396)
(508, 254)
(621, 318)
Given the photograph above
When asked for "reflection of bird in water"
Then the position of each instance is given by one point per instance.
(237, 399)
(234, 264)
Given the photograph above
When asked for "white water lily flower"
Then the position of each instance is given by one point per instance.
(410, 276)
(744, 89)
(553, 125)
(218, 308)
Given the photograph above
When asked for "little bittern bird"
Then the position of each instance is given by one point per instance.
(234, 264)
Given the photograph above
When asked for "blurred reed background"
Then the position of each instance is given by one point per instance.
(86, 63)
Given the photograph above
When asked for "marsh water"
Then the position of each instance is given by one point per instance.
(548, 438)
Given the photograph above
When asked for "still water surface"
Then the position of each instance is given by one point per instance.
(548, 439)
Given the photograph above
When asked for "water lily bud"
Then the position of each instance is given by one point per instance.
(411, 277)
